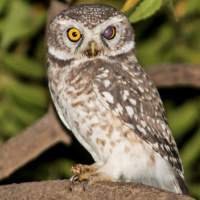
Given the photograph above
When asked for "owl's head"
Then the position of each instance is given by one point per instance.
(89, 31)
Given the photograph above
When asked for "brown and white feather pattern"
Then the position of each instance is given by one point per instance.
(131, 96)
(109, 102)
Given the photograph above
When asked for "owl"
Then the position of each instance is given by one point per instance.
(107, 100)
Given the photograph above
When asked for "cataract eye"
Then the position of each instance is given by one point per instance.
(73, 34)
(109, 33)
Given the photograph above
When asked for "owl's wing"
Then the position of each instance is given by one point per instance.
(133, 98)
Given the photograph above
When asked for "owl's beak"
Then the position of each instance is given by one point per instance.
(93, 50)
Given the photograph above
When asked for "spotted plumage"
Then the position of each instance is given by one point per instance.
(103, 95)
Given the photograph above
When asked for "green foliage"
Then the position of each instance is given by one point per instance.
(166, 31)
(183, 117)
(21, 65)
(144, 9)
(23, 93)
(21, 21)
(2, 4)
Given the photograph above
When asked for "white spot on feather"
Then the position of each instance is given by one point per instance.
(163, 126)
(141, 129)
(101, 69)
(106, 83)
(129, 110)
(149, 97)
(135, 81)
(124, 82)
(156, 107)
(130, 125)
(174, 159)
(120, 108)
(106, 71)
(116, 112)
(126, 92)
(169, 132)
(103, 75)
(136, 117)
(109, 98)
(135, 91)
(155, 145)
(133, 101)
(143, 123)
(141, 108)
(140, 80)
(166, 157)
(125, 67)
(141, 89)
(125, 95)
(162, 147)
(167, 147)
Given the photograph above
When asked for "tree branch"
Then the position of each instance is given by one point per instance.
(59, 189)
(173, 75)
(31, 142)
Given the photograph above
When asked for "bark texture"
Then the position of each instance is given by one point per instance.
(59, 189)
(32, 142)
(174, 75)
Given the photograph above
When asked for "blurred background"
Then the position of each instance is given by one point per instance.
(168, 33)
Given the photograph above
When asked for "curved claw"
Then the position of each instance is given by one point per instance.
(75, 178)
(85, 184)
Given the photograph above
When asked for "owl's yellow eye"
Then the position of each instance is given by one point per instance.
(73, 34)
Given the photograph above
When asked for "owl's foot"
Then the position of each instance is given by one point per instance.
(81, 169)
(91, 178)
(89, 174)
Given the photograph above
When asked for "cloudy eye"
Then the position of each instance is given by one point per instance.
(73, 34)
(109, 33)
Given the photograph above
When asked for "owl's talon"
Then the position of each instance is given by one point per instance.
(75, 178)
(88, 174)
(85, 184)
(82, 173)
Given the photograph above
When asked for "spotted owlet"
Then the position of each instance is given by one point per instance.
(107, 100)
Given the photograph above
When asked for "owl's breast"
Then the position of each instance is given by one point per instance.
(77, 104)
(86, 116)
(100, 131)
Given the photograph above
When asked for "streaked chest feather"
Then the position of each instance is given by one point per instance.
(102, 130)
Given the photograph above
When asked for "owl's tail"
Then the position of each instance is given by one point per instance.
(180, 184)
